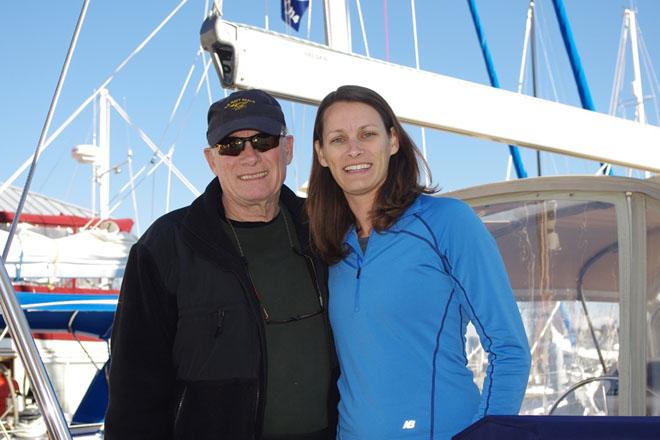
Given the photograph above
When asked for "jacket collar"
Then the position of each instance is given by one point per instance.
(206, 212)
(417, 206)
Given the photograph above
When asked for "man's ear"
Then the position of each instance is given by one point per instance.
(319, 153)
(208, 155)
(288, 147)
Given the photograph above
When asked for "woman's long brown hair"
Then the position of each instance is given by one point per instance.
(329, 214)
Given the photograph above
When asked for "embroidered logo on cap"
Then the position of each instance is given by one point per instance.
(239, 104)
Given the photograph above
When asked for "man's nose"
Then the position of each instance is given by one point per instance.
(249, 154)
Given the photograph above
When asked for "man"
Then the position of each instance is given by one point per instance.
(221, 330)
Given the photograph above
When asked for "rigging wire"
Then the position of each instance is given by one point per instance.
(129, 162)
(309, 19)
(121, 196)
(304, 108)
(46, 126)
(206, 63)
(546, 59)
(523, 58)
(168, 193)
(619, 69)
(170, 120)
(85, 103)
(152, 146)
(73, 334)
(153, 194)
(415, 41)
(181, 92)
(550, 59)
(349, 27)
(427, 178)
(650, 72)
(387, 31)
(52, 170)
(535, 83)
(133, 196)
(550, 53)
(218, 9)
(539, 27)
(362, 28)
(71, 180)
(266, 15)
(293, 130)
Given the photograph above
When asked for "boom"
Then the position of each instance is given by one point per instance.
(299, 70)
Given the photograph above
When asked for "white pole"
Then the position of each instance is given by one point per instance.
(427, 178)
(336, 25)
(523, 61)
(168, 195)
(640, 114)
(364, 33)
(133, 195)
(620, 65)
(95, 140)
(103, 165)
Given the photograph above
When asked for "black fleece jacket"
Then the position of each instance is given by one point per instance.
(188, 358)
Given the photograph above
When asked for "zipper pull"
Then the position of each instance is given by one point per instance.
(219, 323)
(358, 273)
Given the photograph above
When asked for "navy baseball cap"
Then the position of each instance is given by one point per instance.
(244, 110)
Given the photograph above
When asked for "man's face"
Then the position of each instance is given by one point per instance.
(252, 178)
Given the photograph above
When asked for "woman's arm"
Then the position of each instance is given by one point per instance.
(479, 272)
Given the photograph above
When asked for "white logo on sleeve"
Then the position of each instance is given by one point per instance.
(408, 424)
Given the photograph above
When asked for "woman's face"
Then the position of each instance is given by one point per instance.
(356, 147)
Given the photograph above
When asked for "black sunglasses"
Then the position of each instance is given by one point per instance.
(234, 145)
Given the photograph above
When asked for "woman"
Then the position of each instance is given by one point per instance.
(409, 271)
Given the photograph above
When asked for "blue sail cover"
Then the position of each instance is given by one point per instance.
(90, 315)
(293, 10)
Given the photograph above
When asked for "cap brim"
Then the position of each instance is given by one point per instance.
(259, 123)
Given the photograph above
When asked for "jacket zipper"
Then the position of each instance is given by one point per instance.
(219, 323)
(179, 406)
(356, 297)
(263, 383)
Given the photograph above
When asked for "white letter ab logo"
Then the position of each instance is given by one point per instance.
(408, 424)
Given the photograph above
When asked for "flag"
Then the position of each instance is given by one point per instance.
(293, 10)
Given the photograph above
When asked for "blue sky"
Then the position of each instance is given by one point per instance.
(34, 37)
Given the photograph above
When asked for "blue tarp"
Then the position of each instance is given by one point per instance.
(54, 312)
(562, 427)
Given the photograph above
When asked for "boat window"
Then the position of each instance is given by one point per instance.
(653, 307)
(562, 260)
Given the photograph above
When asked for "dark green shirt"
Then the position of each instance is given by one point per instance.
(298, 358)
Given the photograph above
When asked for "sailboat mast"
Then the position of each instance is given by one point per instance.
(102, 167)
(640, 114)
(494, 81)
(336, 25)
(535, 91)
(574, 57)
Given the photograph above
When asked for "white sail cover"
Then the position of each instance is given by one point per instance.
(87, 254)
